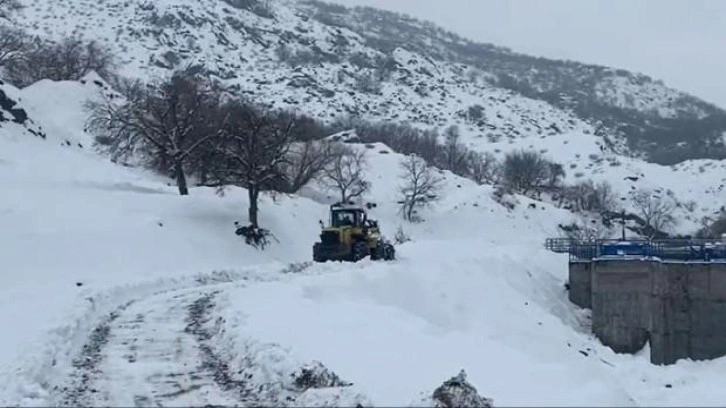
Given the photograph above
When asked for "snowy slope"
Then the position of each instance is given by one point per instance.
(319, 73)
(698, 182)
(239, 47)
(69, 216)
(168, 292)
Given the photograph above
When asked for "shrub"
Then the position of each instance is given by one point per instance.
(525, 171)
(69, 59)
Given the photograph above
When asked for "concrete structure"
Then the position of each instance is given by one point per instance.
(621, 303)
(580, 281)
(679, 306)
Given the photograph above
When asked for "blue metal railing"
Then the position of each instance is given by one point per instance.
(705, 250)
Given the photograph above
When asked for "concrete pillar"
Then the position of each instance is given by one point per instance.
(707, 293)
(580, 280)
(688, 312)
(670, 328)
(621, 292)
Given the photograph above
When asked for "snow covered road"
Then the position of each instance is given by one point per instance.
(172, 349)
(151, 353)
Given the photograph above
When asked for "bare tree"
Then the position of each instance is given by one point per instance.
(588, 196)
(713, 228)
(13, 42)
(483, 168)
(346, 173)
(252, 151)
(555, 175)
(70, 59)
(7, 7)
(165, 123)
(588, 230)
(606, 199)
(453, 151)
(402, 138)
(306, 161)
(421, 186)
(525, 171)
(656, 212)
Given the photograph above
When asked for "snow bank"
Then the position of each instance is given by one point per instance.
(393, 328)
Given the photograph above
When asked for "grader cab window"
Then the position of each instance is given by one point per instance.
(347, 218)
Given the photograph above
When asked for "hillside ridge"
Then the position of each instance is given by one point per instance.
(336, 62)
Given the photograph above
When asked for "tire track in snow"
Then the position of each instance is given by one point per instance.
(145, 354)
(86, 364)
(199, 313)
(199, 317)
(170, 348)
(77, 387)
(164, 350)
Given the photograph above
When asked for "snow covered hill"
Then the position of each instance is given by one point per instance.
(285, 60)
(336, 63)
(120, 292)
(332, 61)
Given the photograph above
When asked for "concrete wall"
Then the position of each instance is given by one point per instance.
(688, 312)
(580, 280)
(621, 292)
(679, 307)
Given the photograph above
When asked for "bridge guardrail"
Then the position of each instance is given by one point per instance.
(697, 249)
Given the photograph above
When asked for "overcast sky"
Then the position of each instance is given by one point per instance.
(682, 42)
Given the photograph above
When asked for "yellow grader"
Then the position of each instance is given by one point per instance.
(350, 236)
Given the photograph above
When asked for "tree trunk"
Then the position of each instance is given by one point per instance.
(409, 210)
(181, 179)
(253, 194)
(202, 176)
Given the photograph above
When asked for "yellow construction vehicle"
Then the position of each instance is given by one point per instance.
(350, 236)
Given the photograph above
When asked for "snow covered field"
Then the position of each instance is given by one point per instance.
(116, 291)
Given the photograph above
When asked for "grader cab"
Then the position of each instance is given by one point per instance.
(350, 236)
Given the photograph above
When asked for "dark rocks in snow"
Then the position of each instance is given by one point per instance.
(303, 81)
(316, 375)
(35, 132)
(297, 267)
(7, 104)
(457, 392)
(254, 236)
